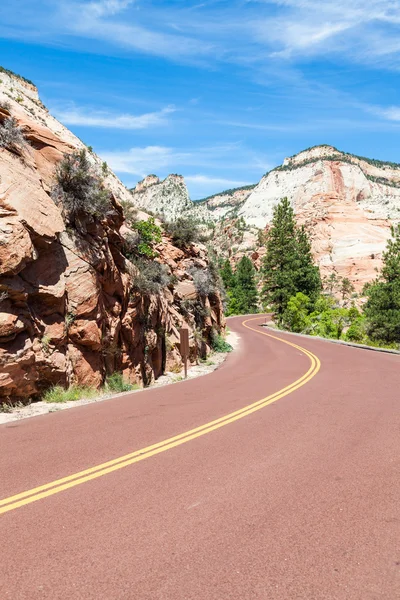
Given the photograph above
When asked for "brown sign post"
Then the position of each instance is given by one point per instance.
(184, 346)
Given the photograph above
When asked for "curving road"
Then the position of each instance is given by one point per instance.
(275, 477)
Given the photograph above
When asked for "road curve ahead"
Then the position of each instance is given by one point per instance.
(275, 477)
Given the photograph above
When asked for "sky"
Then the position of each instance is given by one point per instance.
(219, 91)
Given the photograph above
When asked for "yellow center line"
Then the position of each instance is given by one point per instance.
(59, 485)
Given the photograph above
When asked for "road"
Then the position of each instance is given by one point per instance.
(182, 493)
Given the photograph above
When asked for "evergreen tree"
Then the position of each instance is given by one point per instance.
(308, 278)
(245, 296)
(346, 288)
(288, 265)
(383, 305)
(227, 275)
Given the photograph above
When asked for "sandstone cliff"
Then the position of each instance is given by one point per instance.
(70, 307)
(347, 203)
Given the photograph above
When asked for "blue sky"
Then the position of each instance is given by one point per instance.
(219, 91)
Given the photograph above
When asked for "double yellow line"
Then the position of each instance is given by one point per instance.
(60, 485)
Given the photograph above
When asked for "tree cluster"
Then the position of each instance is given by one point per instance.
(241, 287)
(292, 289)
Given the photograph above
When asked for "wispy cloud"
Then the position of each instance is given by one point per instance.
(251, 32)
(215, 181)
(141, 161)
(106, 7)
(356, 31)
(390, 113)
(86, 118)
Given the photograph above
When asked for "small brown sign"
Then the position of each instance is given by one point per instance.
(184, 346)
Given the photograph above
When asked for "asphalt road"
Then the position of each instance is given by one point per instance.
(296, 497)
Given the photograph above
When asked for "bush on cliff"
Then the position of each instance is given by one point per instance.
(11, 136)
(152, 277)
(79, 189)
(148, 234)
(183, 231)
(207, 281)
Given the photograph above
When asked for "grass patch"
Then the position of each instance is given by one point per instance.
(218, 344)
(8, 407)
(59, 394)
(116, 383)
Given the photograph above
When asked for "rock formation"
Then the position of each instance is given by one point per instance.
(70, 309)
(170, 198)
(346, 202)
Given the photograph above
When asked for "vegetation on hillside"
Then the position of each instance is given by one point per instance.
(183, 231)
(229, 192)
(12, 74)
(292, 288)
(372, 161)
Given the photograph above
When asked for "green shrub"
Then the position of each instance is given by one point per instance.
(11, 136)
(79, 189)
(183, 231)
(116, 383)
(357, 330)
(148, 234)
(59, 394)
(296, 316)
(218, 344)
(152, 277)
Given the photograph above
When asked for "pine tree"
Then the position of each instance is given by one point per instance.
(245, 294)
(227, 275)
(288, 266)
(346, 288)
(383, 305)
(308, 279)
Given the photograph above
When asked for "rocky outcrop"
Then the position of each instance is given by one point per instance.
(170, 198)
(70, 309)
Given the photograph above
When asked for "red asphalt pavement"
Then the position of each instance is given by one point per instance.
(299, 500)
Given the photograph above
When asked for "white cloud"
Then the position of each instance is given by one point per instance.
(391, 113)
(227, 158)
(142, 161)
(106, 7)
(86, 118)
(204, 179)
